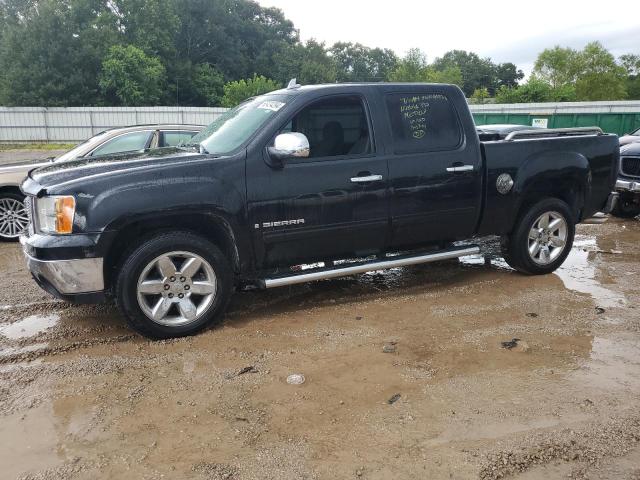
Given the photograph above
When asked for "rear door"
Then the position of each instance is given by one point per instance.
(332, 204)
(435, 169)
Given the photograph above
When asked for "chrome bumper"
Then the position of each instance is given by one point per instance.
(68, 277)
(628, 186)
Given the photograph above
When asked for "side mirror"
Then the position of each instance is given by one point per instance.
(289, 145)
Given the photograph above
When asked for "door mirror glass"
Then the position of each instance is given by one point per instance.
(289, 145)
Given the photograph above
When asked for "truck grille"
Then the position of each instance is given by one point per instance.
(631, 166)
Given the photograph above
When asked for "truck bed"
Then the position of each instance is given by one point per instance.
(536, 159)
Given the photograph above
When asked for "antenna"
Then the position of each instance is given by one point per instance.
(293, 84)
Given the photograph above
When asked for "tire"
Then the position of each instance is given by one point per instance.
(13, 216)
(521, 252)
(626, 207)
(147, 285)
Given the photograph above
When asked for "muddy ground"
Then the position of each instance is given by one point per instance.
(81, 397)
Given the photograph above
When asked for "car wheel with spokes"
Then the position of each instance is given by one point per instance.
(174, 284)
(542, 238)
(13, 216)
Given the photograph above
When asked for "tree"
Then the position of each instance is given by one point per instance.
(131, 77)
(51, 51)
(236, 92)
(480, 95)
(508, 75)
(600, 78)
(208, 84)
(536, 90)
(411, 68)
(357, 63)
(631, 64)
(476, 72)
(558, 66)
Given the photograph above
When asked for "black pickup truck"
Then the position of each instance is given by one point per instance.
(352, 178)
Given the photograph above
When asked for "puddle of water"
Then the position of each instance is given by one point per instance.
(29, 326)
(494, 261)
(579, 274)
(29, 442)
(613, 364)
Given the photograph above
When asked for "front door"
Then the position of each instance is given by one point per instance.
(435, 173)
(333, 204)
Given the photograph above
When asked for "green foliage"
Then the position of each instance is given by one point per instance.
(478, 72)
(480, 95)
(130, 77)
(60, 53)
(208, 84)
(357, 63)
(51, 51)
(536, 90)
(236, 92)
(413, 67)
(601, 78)
(558, 66)
(315, 66)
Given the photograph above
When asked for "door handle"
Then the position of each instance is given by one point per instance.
(460, 168)
(368, 178)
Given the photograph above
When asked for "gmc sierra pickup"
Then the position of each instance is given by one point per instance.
(352, 178)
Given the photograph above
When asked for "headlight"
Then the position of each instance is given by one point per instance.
(55, 214)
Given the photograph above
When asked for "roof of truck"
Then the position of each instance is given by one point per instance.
(298, 89)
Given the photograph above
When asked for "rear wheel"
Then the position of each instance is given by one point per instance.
(542, 238)
(174, 284)
(627, 206)
(13, 216)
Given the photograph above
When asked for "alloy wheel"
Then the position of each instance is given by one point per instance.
(547, 238)
(13, 217)
(176, 288)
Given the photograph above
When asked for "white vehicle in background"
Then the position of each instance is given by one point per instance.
(13, 217)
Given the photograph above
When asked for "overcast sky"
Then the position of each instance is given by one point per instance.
(505, 31)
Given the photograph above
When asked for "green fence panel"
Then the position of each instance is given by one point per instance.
(618, 123)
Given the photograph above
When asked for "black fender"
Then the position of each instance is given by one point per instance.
(564, 175)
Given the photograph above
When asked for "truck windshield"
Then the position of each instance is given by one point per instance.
(236, 126)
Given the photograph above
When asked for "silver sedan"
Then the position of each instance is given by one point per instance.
(13, 216)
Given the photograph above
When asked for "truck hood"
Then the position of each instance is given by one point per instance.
(55, 174)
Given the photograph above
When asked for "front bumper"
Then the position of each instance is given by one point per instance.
(75, 280)
(611, 202)
(627, 186)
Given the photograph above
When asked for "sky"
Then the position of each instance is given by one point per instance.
(505, 31)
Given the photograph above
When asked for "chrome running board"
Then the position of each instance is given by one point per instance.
(352, 269)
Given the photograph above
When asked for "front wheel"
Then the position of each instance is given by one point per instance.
(173, 285)
(13, 216)
(541, 239)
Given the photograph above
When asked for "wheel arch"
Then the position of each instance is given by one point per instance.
(11, 189)
(214, 227)
(562, 175)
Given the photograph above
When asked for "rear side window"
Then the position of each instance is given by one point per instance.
(129, 142)
(175, 138)
(423, 122)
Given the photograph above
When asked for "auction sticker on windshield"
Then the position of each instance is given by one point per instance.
(273, 105)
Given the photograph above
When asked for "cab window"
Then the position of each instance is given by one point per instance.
(335, 126)
(128, 142)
